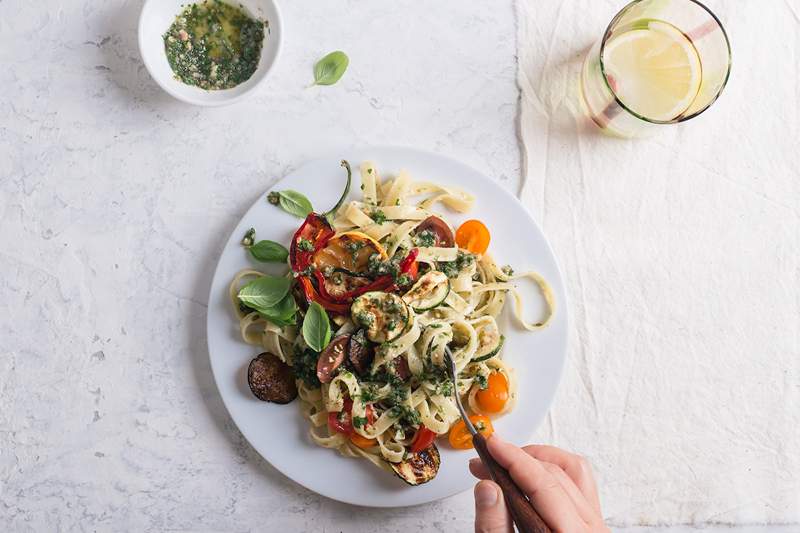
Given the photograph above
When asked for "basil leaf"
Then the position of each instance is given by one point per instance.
(316, 327)
(264, 292)
(330, 68)
(281, 314)
(295, 203)
(269, 252)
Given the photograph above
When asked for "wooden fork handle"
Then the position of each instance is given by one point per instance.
(525, 516)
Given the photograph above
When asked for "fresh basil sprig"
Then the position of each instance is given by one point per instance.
(283, 313)
(292, 202)
(330, 68)
(269, 252)
(316, 327)
(270, 297)
(264, 292)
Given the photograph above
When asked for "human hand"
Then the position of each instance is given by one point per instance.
(560, 486)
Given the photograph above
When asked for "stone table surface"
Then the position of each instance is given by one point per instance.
(114, 203)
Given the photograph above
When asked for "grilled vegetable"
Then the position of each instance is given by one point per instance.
(493, 398)
(473, 236)
(360, 353)
(439, 233)
(418, 467)
(383, 315)
(428, 292)
(422, 439)
(350, 250)
(332, 357)
(460, 437)
(270, 379)
(489, 341)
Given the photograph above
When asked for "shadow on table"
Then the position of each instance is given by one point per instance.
(554, 97)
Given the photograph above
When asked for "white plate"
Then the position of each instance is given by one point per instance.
(280, 433)
(156, 18)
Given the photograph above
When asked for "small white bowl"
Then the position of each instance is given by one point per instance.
(156, 18)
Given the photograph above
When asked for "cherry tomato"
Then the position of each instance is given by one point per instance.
(443, 235)
(422, 439)
(473, 236)
(362, 442)
(493, 398)
(459, 437)
(342, 421)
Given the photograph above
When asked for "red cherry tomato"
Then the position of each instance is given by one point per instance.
(422, 439)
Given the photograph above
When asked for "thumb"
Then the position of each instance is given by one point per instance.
(491, 515)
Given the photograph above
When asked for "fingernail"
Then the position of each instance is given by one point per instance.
(485, 494)
(475, 462)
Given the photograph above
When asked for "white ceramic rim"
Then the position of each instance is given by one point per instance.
(276, 28)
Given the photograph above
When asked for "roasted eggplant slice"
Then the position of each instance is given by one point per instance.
(420, 467)
(360, 353)
(270, 379)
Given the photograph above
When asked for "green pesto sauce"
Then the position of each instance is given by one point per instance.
(214, 45)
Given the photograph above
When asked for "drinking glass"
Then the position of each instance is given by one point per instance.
(659, 62)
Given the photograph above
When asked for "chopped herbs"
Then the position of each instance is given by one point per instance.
(425, 238)
(359, 421)
(403, 280)
(453, 268)
(249, 238)
(353, 247)
(274, 198)
(214, 45)
(305, 245)
(407, 416)
(364, 318)
(378, 216)
(482, 381)
(305, 366)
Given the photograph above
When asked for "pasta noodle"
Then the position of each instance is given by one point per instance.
(386, 410)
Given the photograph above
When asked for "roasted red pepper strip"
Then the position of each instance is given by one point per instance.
(379, 284)
(316, 230)
(409, 260)
(312, 295)
(423, 438)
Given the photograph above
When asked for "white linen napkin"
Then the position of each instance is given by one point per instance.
(681, 254)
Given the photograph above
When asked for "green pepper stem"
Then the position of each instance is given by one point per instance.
(329, 214)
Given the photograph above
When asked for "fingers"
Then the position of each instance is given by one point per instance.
(582, 505)
(491, 515)
(543, 489)
(585, 510)
(576, 467)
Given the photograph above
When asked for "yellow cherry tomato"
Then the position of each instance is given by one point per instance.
(473, 236)
(493, 398)
(459, 436)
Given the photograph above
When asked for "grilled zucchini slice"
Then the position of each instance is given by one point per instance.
(383, 315)
(420, 467)
(428, 292)
(489, 341)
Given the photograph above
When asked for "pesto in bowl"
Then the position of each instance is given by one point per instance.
(214, 45)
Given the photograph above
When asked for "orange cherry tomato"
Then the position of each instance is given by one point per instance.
(362, 442)
(473, 236)
(493, 398)
(459, 437)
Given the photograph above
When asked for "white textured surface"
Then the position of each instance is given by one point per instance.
(115, 201)
(682, 259)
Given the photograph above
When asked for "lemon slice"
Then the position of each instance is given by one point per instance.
(655, 71)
